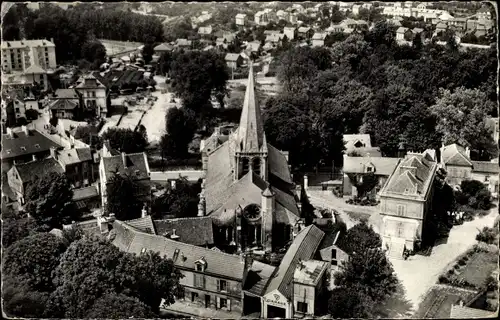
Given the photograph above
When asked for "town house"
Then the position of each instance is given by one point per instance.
(233, 60)
(77, 164)
(65, 104)
(25, 145)
(241, 19)
(318, 39)
(333, 251)
(94, 95)
(405, 203)
(290, 32)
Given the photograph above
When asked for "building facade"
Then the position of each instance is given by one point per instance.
(405, 202)
(20, 55)
(94, 95)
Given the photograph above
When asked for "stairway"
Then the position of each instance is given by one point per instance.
(396, 251)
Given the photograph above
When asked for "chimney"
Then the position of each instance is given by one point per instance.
(285, 153)
(25, 130)
(173, 183)
(306, 182)
(201, 209)
(71, 141)
(124, 159)
(9, 132)
(144, 212)
(53, 152)
(33, 157)
(461, 303)
(467, 152)
(174, 236)
(103, 224)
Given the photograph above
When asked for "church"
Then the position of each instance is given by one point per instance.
(248, 189)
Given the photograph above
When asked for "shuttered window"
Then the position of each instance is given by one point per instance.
(199, 281)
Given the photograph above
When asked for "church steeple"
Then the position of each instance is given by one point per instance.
(250, 142)
(251, 136)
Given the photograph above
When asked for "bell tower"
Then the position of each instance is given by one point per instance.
(251, 145)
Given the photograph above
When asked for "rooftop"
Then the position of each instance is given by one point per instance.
(26, 43)
(197, 231)
(309, 272)
(18, 143)
(31, 170)
(381, 165)
(134, 164)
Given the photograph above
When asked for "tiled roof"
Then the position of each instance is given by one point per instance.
(401, 30)
(383, 166)
(455, 155)
(405, 182)
(34, 69)
(458, 312)
(184, 255)
(89, 82)
(485, 167)
(85, 193)
(79, 131)
(303, 247)
(197, 231)
(278, 165)
(258, 278)
(72, 156)
(28, 171)
(144, 224)
(20, 144)
(136, 165)
(65, 94)
(309, 272)
(63, 104)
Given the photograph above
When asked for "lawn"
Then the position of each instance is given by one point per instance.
(358, 216)
(478, 268)
(438, 301)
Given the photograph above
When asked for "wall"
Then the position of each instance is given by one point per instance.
(303, 293)
(100, 98)
(15, 183)
(233, 294)
(456, 174)
(413, 209)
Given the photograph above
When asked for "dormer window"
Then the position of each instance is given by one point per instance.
(201, 265)
(23, 148)
(37, 146)
(369, 169)
(9, 151)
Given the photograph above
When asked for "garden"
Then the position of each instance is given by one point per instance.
(438, 301)
(471, 270)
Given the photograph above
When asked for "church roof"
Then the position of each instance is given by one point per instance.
(251, 136)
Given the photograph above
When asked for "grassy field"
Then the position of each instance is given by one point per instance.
(478, 268)
(438, 301)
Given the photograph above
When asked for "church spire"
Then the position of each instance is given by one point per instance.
(251, 136)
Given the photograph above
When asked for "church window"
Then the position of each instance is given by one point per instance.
(246, 166)
(256, 165)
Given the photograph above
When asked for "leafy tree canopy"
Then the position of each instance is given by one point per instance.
(122, 197)
(125, 140)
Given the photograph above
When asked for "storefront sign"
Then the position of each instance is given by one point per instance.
(276, 300)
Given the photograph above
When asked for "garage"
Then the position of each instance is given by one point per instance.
(275, 312)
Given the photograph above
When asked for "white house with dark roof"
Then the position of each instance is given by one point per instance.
(65, 104)
(360, 145)
(248, 189)
(94, 95)
(405, 201)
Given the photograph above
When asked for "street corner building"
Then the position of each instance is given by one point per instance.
(248, 190)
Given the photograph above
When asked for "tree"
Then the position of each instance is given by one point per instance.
(180, 127)
(119, 306)
(364, 183)
(19, 300)
(147, 52)
(93, 268)
(94, 51)
(347, 302)
(462, 115)
(125, 140)
(196, 75)
(33, 259)
(164, 62)
(370, 273)
(122, 200)
(361, 237)
(15, 227)
(180, 201)
(49, 201)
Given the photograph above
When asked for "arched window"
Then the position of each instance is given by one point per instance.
(256, 165)
(246, 166)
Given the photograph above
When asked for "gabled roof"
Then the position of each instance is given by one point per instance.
(462, 312)
(240, 15)
(89, 82)
(132, 240)
(303, 247)
(250, 135)
(401, 30)
(28, 171)
(485, 167)
(85, 193)
(79, 131)
(65, 94)
(163, 47)
(74, 155)
(417, 30)
(197, 231)
(232, 56)
(136, 165)
(455, 155)
(63, 104)
(20, 144)
(34, 69)
(258, 278)
(350, 140)
(144, 224)
(382, 165)
(319, 36)
(303, 29)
